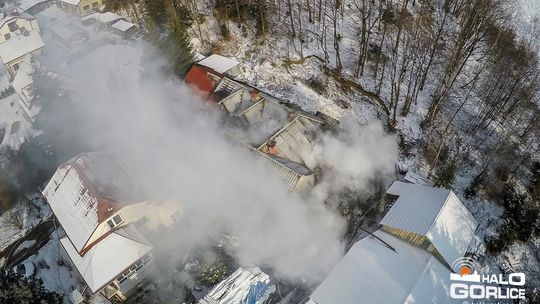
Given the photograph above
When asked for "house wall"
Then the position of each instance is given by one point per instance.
(230, 102)
(417, 240)
(124, 287)
(21, 22)
(129, 214)
(83, 8)
(162, 214)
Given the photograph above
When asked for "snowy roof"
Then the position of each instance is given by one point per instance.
(19, 46)
(219, 63)
(417, 179)
(435, 213)
(27, 4)
(109, 258)
(72, 2)
(12, 16)
(87, 190)
(371, 272)
(91, 16)
(122, 25)
(238, 286)
(108, 17)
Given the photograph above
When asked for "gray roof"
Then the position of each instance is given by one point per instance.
(435, 213)
(371, 272)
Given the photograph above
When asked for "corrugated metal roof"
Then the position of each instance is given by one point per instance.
(373, 273)
(417, 207)
(219, 63)
(435, 213)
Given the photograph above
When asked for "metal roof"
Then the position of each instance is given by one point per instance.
(435, 213)
(371, 272)
(219, 63)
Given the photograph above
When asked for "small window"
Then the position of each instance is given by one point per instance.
(13, 26)
(95, 5)
(86, 7)
(16, 67)
(115, 221)
(7, 36)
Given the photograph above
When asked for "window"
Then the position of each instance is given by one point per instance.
(7, 36)
(13, 26)
(86, 7)
(95, 5)
(16, 67)
(115, 221)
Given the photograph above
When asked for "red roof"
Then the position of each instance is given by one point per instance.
(198, 78)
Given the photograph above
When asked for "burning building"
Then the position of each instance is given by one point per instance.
(281, 135)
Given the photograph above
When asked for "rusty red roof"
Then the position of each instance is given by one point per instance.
(198, 77)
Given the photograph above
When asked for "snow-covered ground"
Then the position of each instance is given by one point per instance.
(15, 222)
(54, 268)
(264, 64)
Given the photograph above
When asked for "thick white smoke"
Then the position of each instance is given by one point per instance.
(353, 157)
(175, 146)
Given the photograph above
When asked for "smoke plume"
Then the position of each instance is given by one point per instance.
(174, 145)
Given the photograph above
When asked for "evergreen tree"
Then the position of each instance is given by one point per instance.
(156, 10)
(17, 289)
(176, 48)
(446, 174)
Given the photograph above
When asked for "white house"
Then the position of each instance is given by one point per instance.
(97, 202)
(14, 51)
(80, 7)
(408, 260)
(16, 23)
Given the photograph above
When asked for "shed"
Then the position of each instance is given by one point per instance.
(432, 218)
(221, 65)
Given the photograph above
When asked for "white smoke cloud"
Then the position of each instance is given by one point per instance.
(175, 146)
(353, 157)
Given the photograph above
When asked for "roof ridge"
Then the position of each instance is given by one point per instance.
(440, 210)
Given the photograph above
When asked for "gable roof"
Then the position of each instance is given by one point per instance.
(86, 191)
(371, 272)
(219, 63)
(14, 15)
(122, 25)
(435, 213)
(108, 17)
(20, 45)
(109, 258)
(72, 2)
(28, 4)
